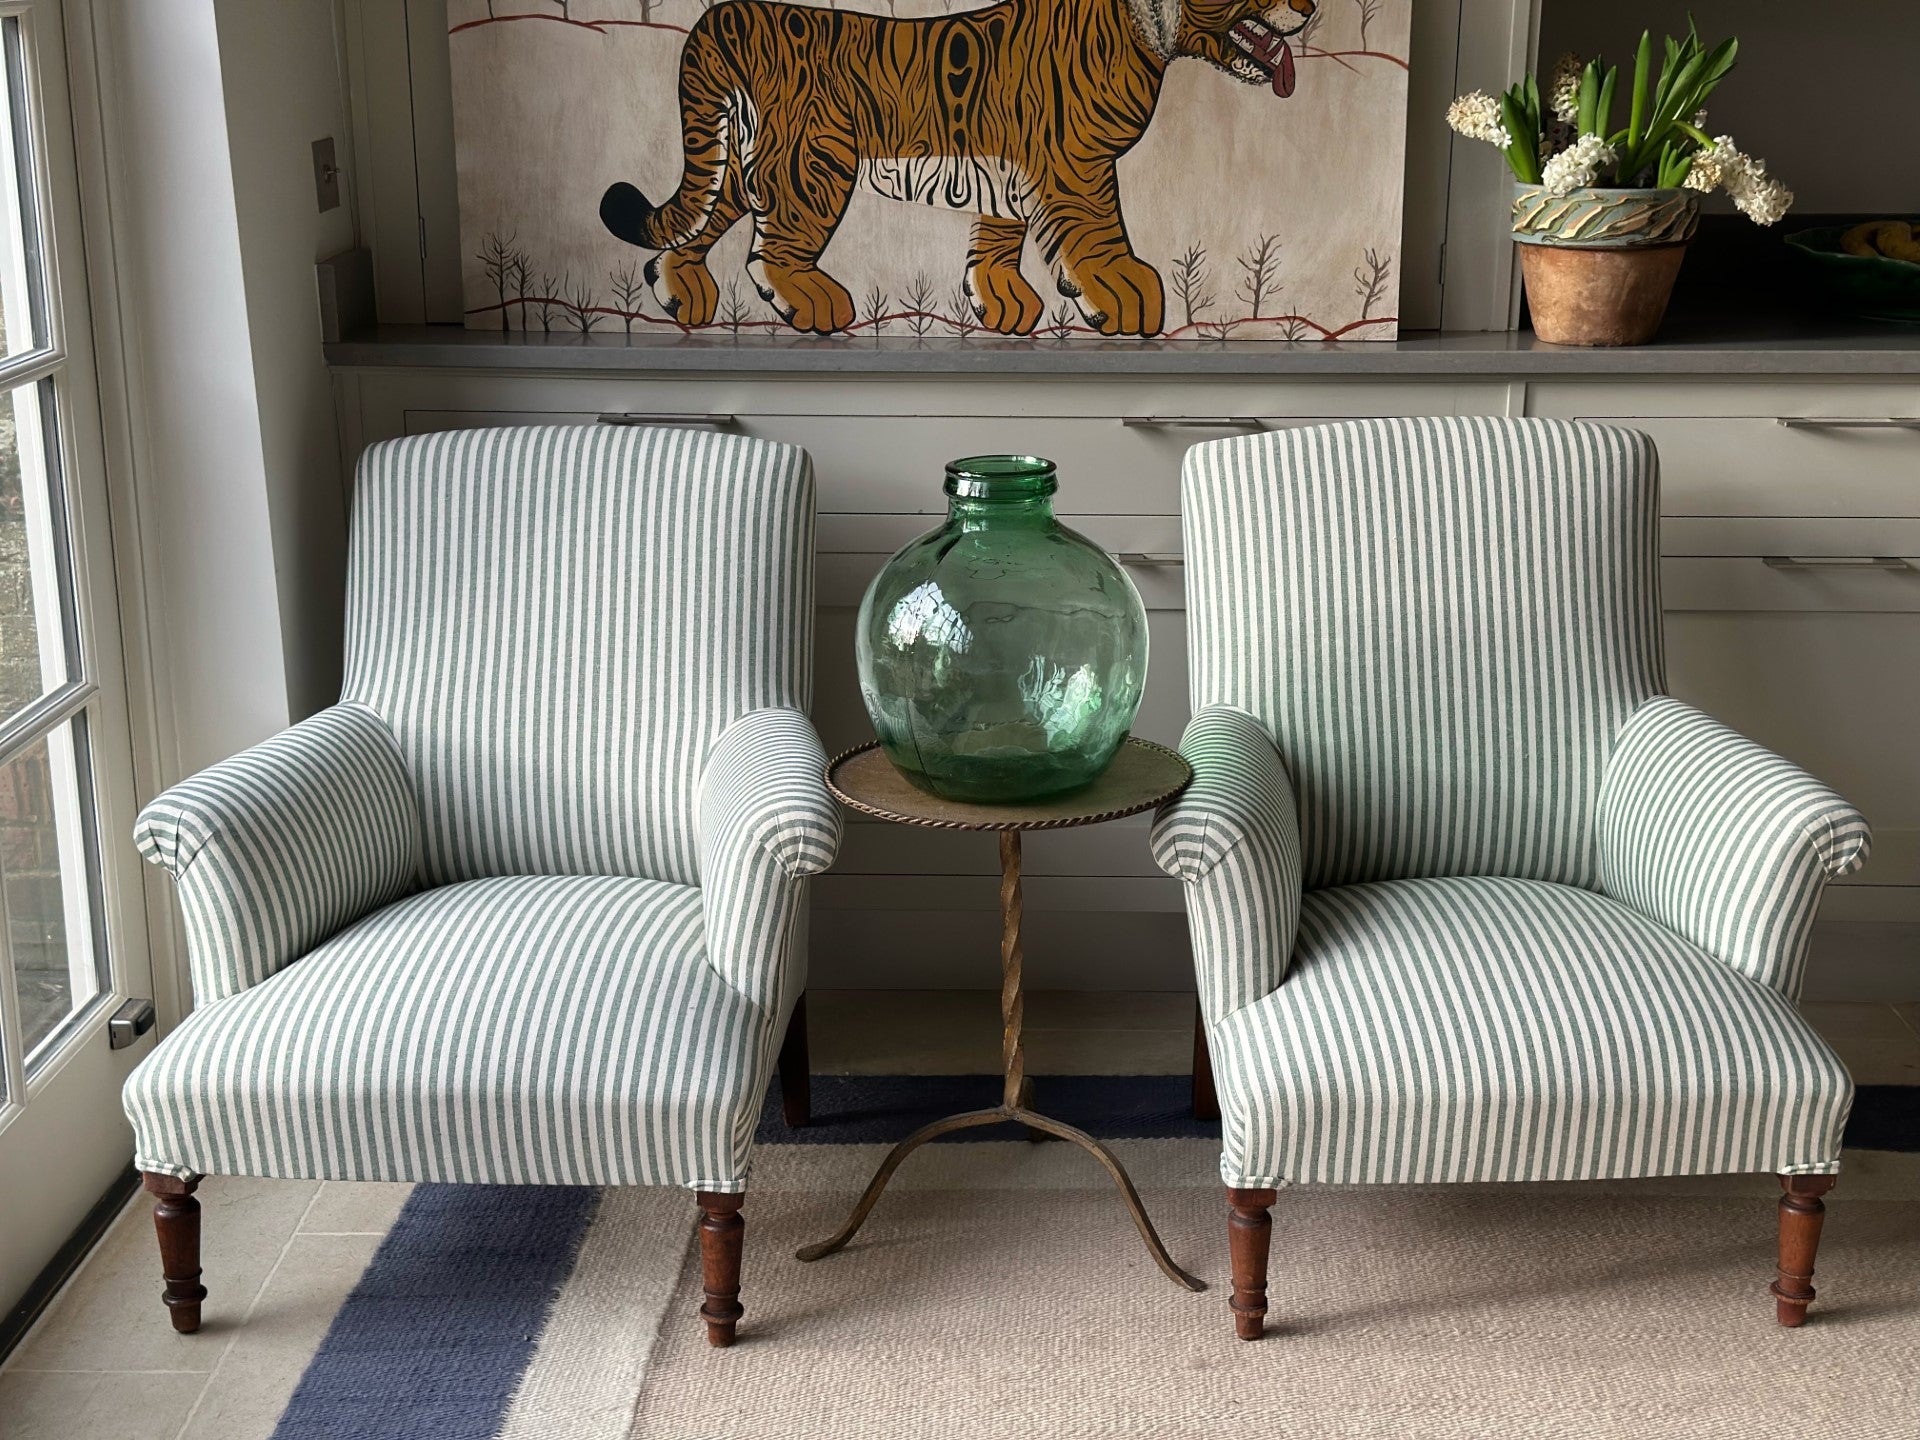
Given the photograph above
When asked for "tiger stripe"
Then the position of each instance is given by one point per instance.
(1016, 112)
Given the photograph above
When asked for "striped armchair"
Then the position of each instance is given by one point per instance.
(1471, 899)
(526, 906)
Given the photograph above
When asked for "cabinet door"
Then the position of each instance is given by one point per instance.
(1813, 649)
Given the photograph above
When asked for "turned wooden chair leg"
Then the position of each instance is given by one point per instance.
(1249, 1232)
(721, 1229)
(1206, 1100)
(176, 1219)
(1801, 1213)
(796, 1081)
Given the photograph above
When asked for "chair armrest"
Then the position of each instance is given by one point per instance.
(767, 821)
(1721, 840)
(1233, 838)
(283, 845)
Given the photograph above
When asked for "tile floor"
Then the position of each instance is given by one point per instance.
(102, 1364)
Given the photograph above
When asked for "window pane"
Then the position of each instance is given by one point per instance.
(46, 886)
(32, 647)
(21, 324)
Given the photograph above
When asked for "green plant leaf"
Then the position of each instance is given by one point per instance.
(1523, 155)
(1642, 65)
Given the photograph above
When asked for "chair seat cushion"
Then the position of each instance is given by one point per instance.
(546, 1030)
(1497, 1029)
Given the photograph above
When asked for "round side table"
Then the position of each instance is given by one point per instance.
(1142, 776)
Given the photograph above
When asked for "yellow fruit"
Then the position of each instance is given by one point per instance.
(1859, 241)
(1894, 239)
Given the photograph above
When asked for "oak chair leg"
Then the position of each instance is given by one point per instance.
(721, 1230)
(1249, 1234)
(1206, 1100)
(1801, 1213)
(796, 1077)
(176, 1219)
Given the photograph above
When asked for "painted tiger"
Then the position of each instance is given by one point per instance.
(1017, 113)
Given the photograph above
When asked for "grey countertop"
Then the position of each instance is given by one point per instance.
(1699, 348)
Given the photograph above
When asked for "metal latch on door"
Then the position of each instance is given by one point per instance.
(129, 1023)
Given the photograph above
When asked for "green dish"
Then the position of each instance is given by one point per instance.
(1874, 287)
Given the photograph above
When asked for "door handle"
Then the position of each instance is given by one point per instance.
(1835, 562)
(1150, 559)
(1193, 422)
(1820, 422)
(685, 419)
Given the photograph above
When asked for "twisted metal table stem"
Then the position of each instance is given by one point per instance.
(1015, 1096)
(1013, 1005)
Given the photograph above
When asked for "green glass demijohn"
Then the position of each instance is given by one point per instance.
(1002, 655)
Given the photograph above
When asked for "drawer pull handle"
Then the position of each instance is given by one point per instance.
(685, 419)
(1835, 562)
(1817, 422)
(1193, 422)
(1150, 559)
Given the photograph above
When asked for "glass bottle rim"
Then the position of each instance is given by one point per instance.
(1001, 478)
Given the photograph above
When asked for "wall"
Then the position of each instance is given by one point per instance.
(213, 113)
(1824, 94)
(281, 81)
(206, 535)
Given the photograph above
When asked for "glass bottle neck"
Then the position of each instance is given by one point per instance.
(968, 513)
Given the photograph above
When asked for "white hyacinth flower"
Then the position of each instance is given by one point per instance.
(1761, 198)
(1564, 90)
(1756, 194)
(1477, 116)
(1576, 166)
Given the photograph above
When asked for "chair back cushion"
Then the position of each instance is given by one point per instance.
(1444, 623)
(558, 623)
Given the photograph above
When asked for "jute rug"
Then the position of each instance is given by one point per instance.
(1000, 1291)
(1006, 1310)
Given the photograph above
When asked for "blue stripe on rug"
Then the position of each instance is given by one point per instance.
(872, 1109)
(1885, 1117)
(434, 1338)
(879, 1109)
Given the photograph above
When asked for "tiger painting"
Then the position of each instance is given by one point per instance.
(1017, 113)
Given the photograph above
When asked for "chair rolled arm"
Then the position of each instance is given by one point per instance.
(1721, 840)
(279, 847)
(1233, 838)
(767, 821)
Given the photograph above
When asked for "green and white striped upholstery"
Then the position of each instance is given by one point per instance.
(526, 906)
(1721, 841)
(558, 623)
(1500, 1029)
(1470, 898)
(282, 845)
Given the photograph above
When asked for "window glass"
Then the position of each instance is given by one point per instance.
(45, 885)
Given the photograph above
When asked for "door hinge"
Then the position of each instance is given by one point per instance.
(129, 1023)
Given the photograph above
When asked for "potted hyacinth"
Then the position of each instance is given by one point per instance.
(1603, 211)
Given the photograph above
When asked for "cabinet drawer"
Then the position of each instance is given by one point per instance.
(1836, 694)
(894, 463)
(852, 548)
(1761, 466)
(1857, 584)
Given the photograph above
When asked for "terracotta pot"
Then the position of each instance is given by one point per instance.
(1599, 297)
(1600, 263)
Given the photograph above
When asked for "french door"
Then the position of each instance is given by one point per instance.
(72, 941)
